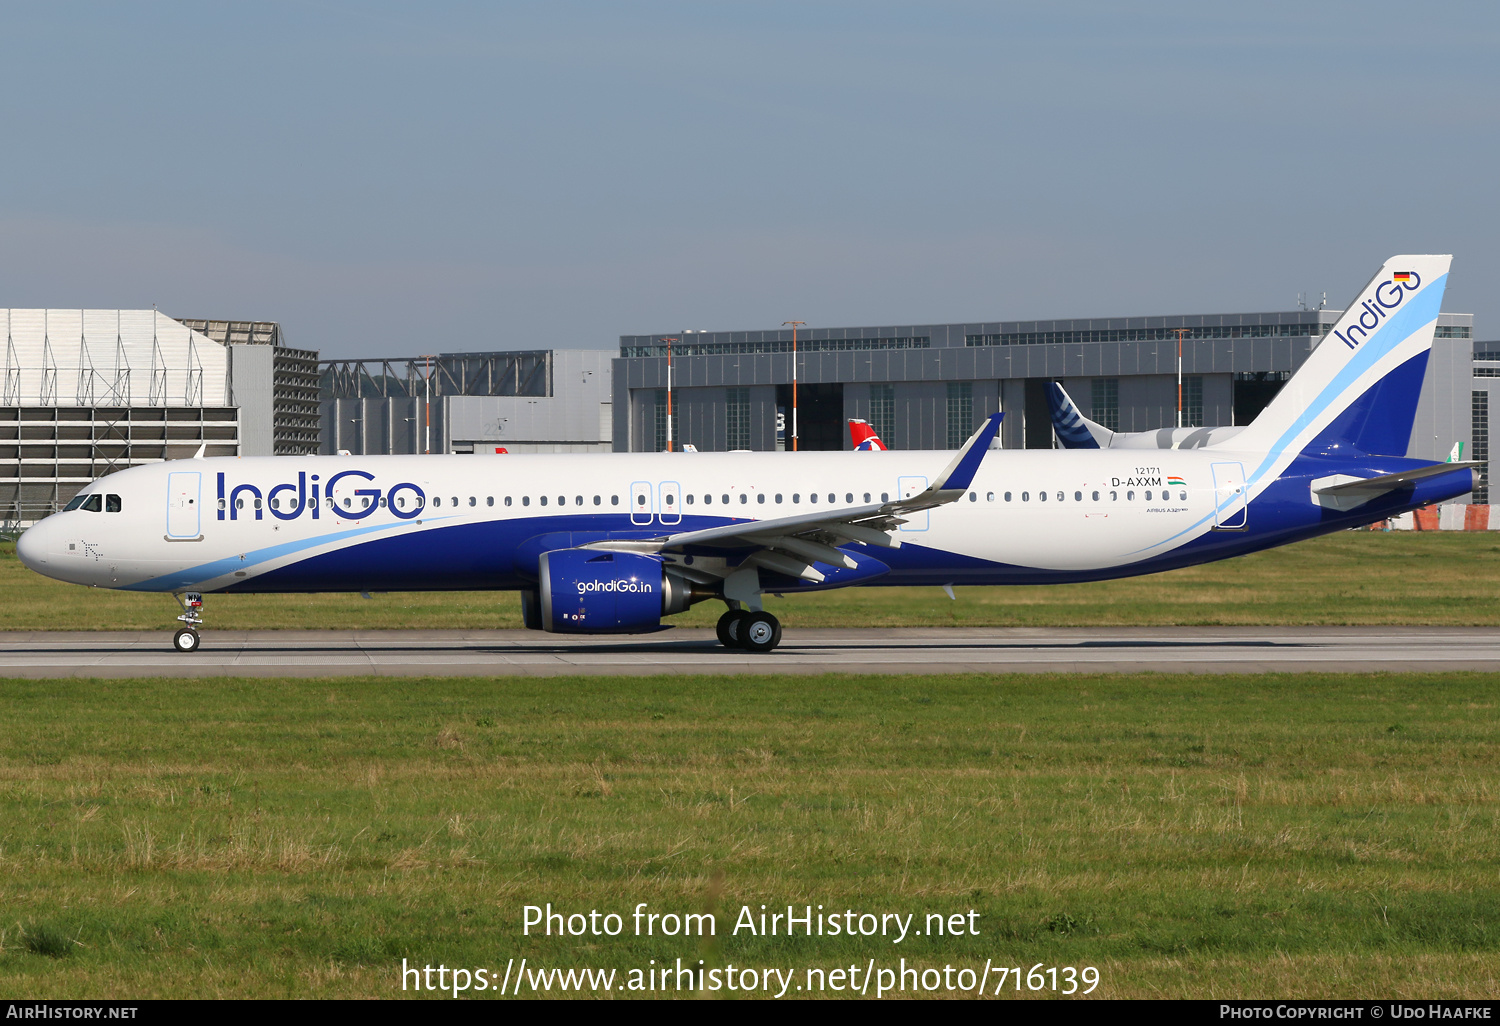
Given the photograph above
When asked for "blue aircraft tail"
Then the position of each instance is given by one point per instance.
(1073, 430)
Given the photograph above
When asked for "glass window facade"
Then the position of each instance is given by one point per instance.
(1043, 338)
(1480, 447)
(883, 412)
(1452, 331)
(1104, 406)
(737, 418)
(804, 345)
(1192, 401)
(960, 412)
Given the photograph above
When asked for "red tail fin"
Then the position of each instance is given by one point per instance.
(864, 437)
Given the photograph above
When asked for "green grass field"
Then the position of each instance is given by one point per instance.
(1363, 577)
(1312, 835)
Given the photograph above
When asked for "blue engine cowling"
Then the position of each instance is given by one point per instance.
(586, 591)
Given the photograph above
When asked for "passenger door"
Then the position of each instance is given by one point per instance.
(184, 495)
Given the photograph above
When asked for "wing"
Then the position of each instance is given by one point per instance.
(790, 545)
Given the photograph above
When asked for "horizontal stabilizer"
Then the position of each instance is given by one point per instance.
(1343, 484)
(1346, 492)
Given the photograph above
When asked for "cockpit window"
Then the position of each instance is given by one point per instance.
(94, 503)
(75, 502)
(111, 504)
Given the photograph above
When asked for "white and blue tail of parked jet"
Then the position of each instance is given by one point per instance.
(617, 543)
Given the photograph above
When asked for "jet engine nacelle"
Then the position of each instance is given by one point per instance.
(588, 591)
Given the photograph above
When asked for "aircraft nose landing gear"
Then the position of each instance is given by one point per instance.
(186, 638)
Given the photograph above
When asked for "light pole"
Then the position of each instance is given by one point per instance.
(795, 325)
(427, 406)
(669, 342)
(1179, 332)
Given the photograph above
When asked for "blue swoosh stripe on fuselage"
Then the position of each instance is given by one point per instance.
(196, 575)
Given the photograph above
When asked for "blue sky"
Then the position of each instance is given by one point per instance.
(390, 179)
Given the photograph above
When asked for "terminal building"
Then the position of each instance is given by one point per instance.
(544, 400)
(928, 386)
(89, 392)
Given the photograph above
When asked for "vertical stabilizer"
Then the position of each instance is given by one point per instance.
(1358, 390)
(1073, 429)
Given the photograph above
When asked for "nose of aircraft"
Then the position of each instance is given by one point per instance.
(31, 547)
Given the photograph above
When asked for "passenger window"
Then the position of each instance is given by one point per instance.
(1096, 496)
(1007, 496)
(1130, 496)
(1148, 496)
(743, 498)
(598, 501)
(221, 503)
(796, 497)
(670, 500)
(778, 498)
(1041, 496)
(401, 501)
(275, 503)
(437, 500)
(849, 498)
(507, 500)
(760, 497)
(543, 500)
(1077, 496)
(578, 500)
(473, 501)
(867, 496)
(614, 500)
(455, 500)
(1061, 496)
(1114, 496)
(489, 500)
(688, 498)
(1025, 496)
(885, 496)
(526, 500)
(94, 503)
(382, 502)
(811, 497)
(832, 497)
(973, 497)
(989, 497)
(257, 504)
(1182, 496)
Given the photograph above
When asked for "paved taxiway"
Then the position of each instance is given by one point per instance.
(884, 650)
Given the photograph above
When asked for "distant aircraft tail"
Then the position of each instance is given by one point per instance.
(864, 437)
(1357, 393)
(1073, 429)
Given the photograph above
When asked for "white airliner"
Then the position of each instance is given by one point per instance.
(615, 543)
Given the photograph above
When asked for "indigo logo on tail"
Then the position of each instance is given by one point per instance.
(1388, 296)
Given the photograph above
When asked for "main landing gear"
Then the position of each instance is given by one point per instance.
(751, 631)
(186, 639)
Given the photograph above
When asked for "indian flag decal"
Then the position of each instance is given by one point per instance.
(1176, 481)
